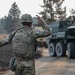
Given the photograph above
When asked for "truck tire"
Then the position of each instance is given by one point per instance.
(51, 49)
(60, 49)
(70, 49)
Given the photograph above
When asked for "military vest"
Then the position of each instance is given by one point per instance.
(23, 42)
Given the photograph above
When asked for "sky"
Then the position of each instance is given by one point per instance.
(70, 4)
(28, 6)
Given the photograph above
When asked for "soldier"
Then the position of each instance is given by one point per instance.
(23, 46)
(70, 20)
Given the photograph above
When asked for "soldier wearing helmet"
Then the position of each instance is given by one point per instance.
(26, 19)
(23, 47)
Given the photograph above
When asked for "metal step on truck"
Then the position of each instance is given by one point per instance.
(62, 38)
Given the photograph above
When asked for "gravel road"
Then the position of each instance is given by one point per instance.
(52, 66)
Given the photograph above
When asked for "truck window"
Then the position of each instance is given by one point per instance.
(62, 26)
(71, 32)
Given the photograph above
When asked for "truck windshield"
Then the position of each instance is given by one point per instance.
(71, 32)
(64, 25)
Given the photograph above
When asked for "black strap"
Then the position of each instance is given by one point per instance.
(13, 33)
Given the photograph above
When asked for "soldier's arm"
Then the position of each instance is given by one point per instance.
(7, 40)
(46, 28)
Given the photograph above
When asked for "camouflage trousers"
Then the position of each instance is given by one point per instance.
(25, 67)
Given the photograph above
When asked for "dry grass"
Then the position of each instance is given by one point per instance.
(3, 36)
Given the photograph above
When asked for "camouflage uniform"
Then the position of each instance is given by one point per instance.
(23, 48)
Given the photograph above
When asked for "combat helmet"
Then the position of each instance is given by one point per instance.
(26, 18)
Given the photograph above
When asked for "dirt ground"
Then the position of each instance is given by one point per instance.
(52, 65)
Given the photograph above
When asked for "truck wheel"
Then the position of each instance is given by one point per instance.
(70, 49)
(60, 49)
(51, 49)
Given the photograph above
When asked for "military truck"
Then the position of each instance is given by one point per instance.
(62, 39)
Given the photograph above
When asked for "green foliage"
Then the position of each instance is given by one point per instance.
(12, 21)
(53, 10)
(14, 12)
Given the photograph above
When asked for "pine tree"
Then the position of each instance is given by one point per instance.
(14, 12)
(61, 13)
(53, 11)
(12, 21)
